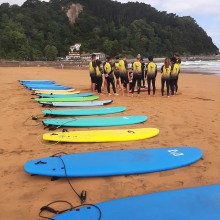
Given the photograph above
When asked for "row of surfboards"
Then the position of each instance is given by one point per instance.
(92, 136)
(198, 203)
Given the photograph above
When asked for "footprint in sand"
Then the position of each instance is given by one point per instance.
(199, 169)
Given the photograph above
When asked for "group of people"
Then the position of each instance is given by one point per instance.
(118, 75)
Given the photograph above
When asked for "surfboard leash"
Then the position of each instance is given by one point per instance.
(34, 118)
(57, 212)
(54, 127)
(81, 196)
(39, 140)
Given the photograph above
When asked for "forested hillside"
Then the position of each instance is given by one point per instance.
(41, 30)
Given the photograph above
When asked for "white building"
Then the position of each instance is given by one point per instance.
(100, 56)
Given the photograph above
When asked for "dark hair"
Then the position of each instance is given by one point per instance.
(179, 60)
(93, 55)
(108, 58)
(173, 59)
(98, 62)
(117, 57)
(150, 58)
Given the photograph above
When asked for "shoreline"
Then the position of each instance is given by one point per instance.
(23, 63)
(190, 118)
(205, 68)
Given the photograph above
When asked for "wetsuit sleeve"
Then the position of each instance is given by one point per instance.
(146, 71)
(126, 64)
(156, 70)
(132, 66)
(162, 68)
(101, 70)
(104, 67)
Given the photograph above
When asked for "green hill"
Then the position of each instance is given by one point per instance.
(41, 30)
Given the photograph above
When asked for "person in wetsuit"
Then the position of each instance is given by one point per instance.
(92, 71)
(151, 72)
(117, 73)
(174, 76)
(123, 70)
(179, 64)
(99, 74)
(137, 75)
(109, 75)
(165, 78)
(143, 72)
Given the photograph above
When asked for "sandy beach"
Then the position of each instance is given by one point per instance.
(191, 118)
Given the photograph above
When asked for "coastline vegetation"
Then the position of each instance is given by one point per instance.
(42, 31)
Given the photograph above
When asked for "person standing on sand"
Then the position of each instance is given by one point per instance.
(123, 70)
(174, 76)
(137, 75)
(109, 75)
(99, 74)
(165, 78)
(143, 72)
(92, 71)
(179, 65)
(151, 72)
(117, 73)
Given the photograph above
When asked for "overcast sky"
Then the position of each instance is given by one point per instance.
(205, 12)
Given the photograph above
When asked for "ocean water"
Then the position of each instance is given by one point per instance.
(199, 66)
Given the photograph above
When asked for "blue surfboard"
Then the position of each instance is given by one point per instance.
(87, 111)
(33, 85)
(96, 122)
(77, 104)
(36, 81)
(117, 162)
(197, 203)
(51, 88)
(43, 85)
(65, 95)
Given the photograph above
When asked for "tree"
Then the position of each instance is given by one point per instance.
(50, 52)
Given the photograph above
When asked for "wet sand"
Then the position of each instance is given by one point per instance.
(190, 118)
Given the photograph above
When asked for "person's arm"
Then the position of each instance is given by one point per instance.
(126, 67)
(156, 70)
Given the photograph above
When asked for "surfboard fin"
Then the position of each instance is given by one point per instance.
(52, 127)
(54, 178)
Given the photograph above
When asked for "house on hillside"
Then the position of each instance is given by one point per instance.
(74, 54)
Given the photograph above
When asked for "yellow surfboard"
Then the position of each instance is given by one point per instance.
(55, 92)
(102, 135)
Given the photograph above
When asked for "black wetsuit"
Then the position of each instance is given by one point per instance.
(110, 80)
(151, 78)
(165, 79)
